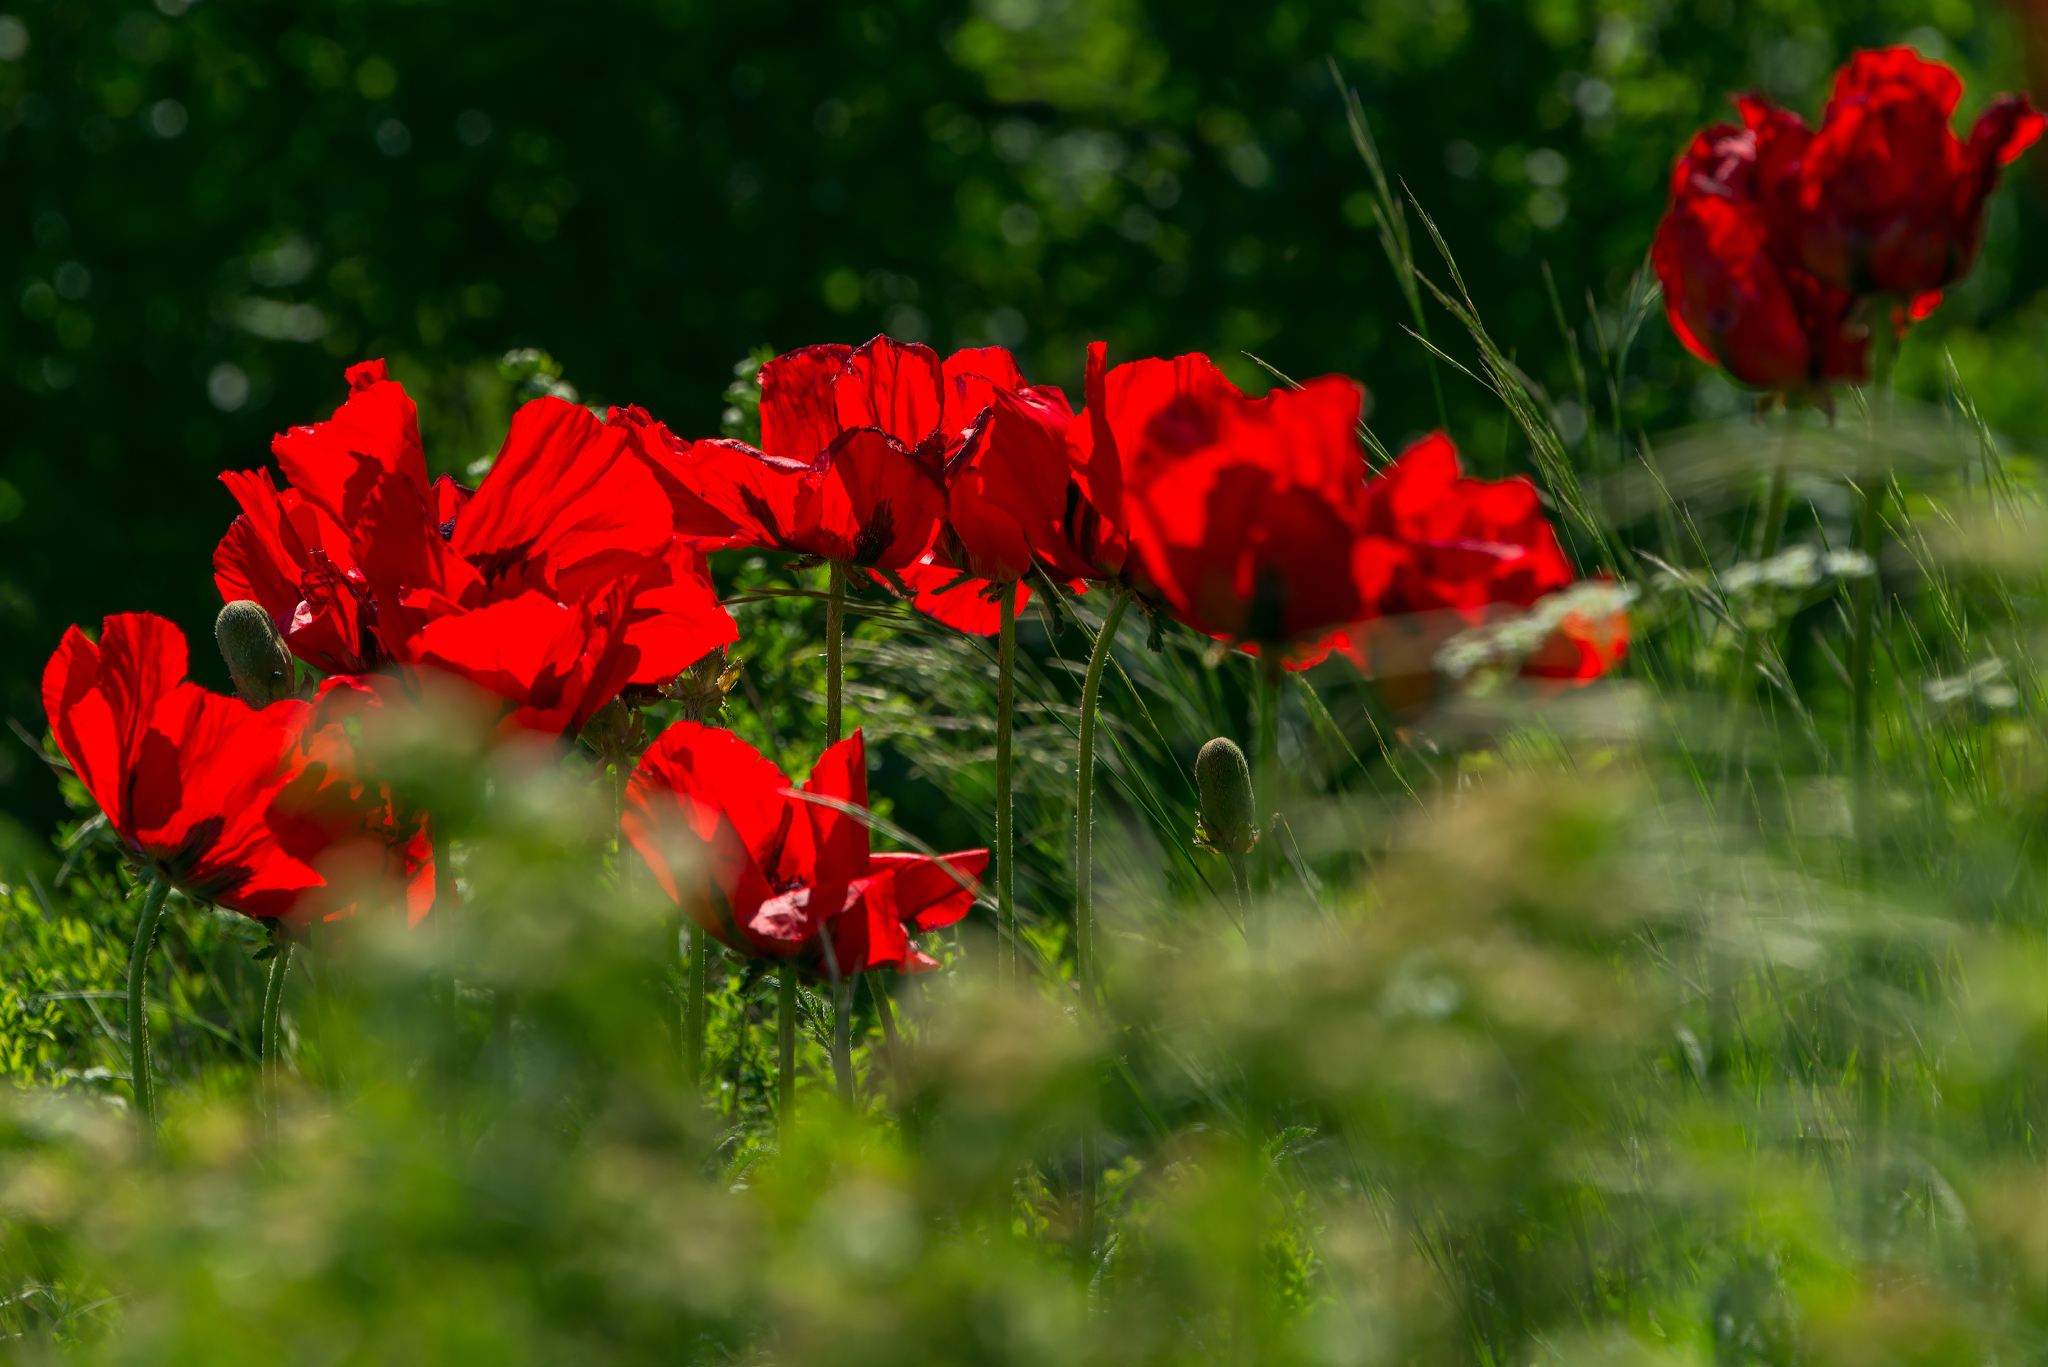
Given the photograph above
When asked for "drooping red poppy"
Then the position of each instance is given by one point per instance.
(1734, 297)
(185, 776)
(360, 555)
(1245, 513)
(333, 814)
(771, 874)
(1883, 197)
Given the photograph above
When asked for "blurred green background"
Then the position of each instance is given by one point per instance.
(207, 210)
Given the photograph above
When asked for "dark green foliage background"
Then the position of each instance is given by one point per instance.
(656, 188)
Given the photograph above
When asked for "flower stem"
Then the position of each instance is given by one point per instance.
(1084, 830)
(273, 1007)
(142, 1080)
(1242, 881)
(1267, 775)
(695, 1006)
(785, 1051)
(1084, 908)
(835, 665)
(1006, 908)
(842, 1026)
(885, 1013)
(842, 1036)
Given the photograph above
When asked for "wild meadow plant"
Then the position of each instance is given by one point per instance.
(1624, 940)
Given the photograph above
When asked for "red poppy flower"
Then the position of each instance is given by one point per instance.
(811, 398)
(185, 776)
(294, 550)
(771, 874)
(360, 552)
(1884, 198)
(1245, 513)
(335, 816)
(863, 501)
(860, 444)
(1732, 299)
(1011, 489)
(365, 561)
(671, 460)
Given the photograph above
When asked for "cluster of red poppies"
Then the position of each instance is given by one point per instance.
(576, 573)
(1783, 245)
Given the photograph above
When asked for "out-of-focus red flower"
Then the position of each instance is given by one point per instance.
(1883, 197)
(953, 598)
(360, 557)
(1733, 298)
(1461, 553)
(371, 848)
(1246, 514)
(186, 777)
(773, 875)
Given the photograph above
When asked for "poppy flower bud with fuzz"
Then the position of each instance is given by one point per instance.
(257, 658)
(1229, 819)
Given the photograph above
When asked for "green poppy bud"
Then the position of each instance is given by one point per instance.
(1229, 820)
(255, 652)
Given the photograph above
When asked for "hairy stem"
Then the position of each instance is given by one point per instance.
(1266, 783)
(835, 665)
(842, 1020)
(785, 1052)
(842, 1036)
(1243, 883)
(695, 1006)
(273, 1006)
(1084, 830)
(142, 1079)
(1006, 909)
